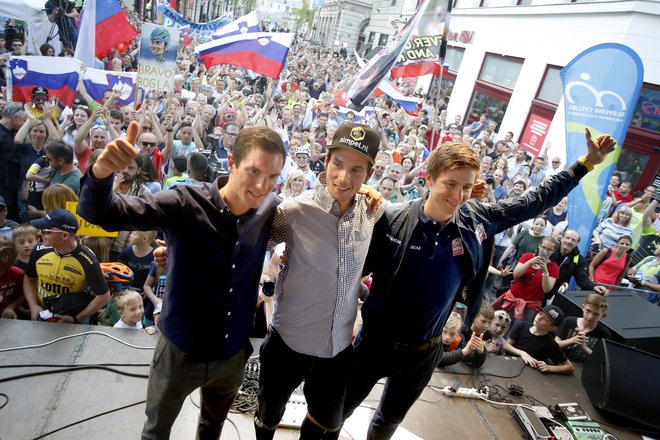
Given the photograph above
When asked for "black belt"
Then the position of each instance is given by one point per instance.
(418, 347)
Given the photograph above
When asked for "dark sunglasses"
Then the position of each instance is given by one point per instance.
(148, 144)
(49, 231)
(40, 98)
(503, 318)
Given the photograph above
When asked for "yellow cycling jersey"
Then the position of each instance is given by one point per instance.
(58, 274)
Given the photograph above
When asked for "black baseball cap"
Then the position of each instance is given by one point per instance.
(356, 137)
(57, 218)
(39, 91)
(555, 314)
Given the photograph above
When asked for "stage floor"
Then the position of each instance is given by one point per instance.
(39, 405)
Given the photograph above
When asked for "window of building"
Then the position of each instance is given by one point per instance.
(493, 89)
(453, 57)
(647, 110)
(372, 35)
(383, 39)
(500, 70)
(551, 86)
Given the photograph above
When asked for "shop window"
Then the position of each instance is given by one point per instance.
(453, 57)
(500, 70)
(647, 110)
(551, 89)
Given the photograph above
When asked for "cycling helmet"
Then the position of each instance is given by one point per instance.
(160, 34)
(303, 150)
(118, 275)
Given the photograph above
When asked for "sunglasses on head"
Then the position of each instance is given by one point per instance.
(504, 318)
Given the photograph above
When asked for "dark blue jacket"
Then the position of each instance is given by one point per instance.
(215, 258)
(478, 223)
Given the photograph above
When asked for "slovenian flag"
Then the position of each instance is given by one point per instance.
(410, 104)
(57, 74)
(98, 81)
(243, 25)
(104, 26)
(418, 69)
(262, 52)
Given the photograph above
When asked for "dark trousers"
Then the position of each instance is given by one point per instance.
(283, 369)
(174, 375)
(407, 375)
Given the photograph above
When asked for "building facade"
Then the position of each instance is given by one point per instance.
(505, 56)
(340, 23)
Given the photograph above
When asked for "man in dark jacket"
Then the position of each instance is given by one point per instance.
(423, 254)
(572, 264)
(217, 235)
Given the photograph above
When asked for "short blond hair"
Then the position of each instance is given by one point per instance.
(126, 297)
(454, 322)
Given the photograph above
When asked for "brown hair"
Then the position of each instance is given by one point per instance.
(598, 301)
(257, 137)
(451, 156)
(8, 255)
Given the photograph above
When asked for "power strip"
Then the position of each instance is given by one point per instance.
(468, 393)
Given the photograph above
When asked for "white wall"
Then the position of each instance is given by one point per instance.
(554, 35)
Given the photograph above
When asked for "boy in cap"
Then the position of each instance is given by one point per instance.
(61, 271)
(535, 343)
(327, 231)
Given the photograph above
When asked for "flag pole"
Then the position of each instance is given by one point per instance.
(436, 112)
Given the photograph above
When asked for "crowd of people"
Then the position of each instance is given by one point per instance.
(203, 167)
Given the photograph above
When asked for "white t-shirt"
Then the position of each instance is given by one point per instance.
(122, 324)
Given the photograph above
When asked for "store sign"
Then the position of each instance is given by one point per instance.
(464, 37)
(534, 134)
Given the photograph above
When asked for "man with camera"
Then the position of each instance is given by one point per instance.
(64, 14)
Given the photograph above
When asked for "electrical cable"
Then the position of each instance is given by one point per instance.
(72, 365)
(70, 369)
(87, 419)
(93, 332)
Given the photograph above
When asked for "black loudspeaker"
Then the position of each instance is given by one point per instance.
(623, 381)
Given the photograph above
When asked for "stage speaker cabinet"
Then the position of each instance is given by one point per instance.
(624, 381)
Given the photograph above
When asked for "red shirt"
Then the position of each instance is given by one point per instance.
(529, 287)
(620, 198)
(609, 270)
(11, 286)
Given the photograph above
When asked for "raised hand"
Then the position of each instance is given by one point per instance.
(117, 155)
(599, 147)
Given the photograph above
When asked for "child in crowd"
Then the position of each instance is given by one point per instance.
(456, 349)
(578, 336)
(131, 310)
(11, 282)
(154, 290)
(138, 256)
(498, 328)
(535, 344)
(481, 324)
(119, 278)
(25, 239)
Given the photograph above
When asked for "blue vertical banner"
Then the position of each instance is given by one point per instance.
(601, 88)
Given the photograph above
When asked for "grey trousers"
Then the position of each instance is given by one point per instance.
(173, 376)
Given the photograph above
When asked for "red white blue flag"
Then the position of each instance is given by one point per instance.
(58, 75)
(262, 52)
(104, 26)
(242, 25)
(97, 82)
